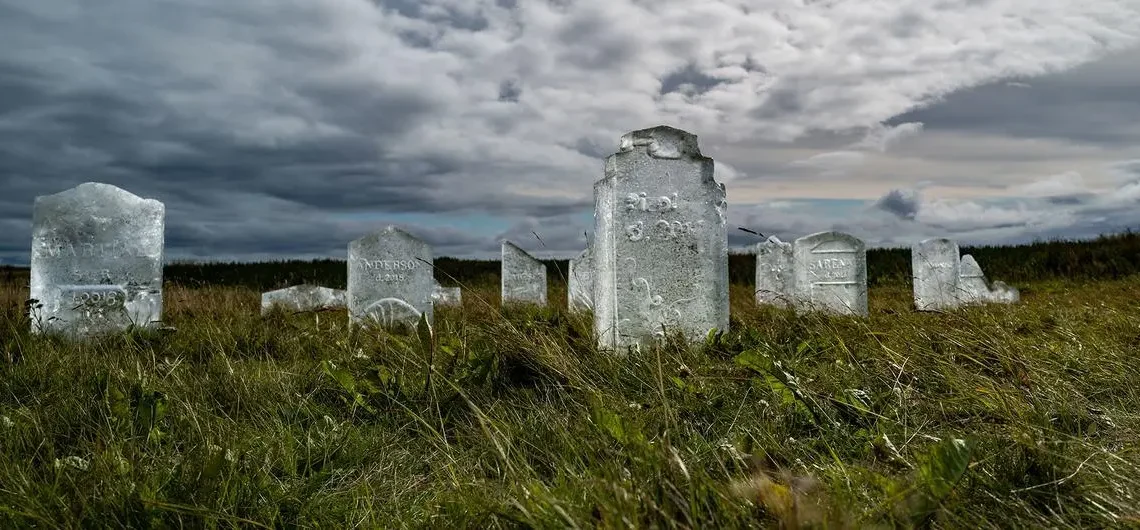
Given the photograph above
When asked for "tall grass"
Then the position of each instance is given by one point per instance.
(994, 417)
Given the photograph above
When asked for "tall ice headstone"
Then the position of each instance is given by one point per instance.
(660, 243)
(774, 274)
(580, 283)
(935, 269)
(522, 278)
(390, 278)
(831, 273)
(96, 260)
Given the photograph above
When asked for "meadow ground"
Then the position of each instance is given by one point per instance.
(988, 417)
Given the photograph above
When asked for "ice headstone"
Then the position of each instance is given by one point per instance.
(831, 273)
(974, 289)
(660, 243)
(972, 285)
(446, 295)
(303, 298)
(935, 269)
(774, 274)
(390, 278)
(96, 260)
(523, 278)
(580, 283)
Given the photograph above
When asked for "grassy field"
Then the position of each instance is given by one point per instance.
(1019, 416)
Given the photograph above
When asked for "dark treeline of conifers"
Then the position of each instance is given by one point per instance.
(1107, 257)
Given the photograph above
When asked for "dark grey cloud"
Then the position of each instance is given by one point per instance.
(1097, 103)
(689, 80)
(902, 203)
(274, 129)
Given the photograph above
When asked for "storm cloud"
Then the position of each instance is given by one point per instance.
(288, 128)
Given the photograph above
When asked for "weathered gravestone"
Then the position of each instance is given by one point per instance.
(580, 283)
(660, 243)
(831, 273)
(446, 295)
(775, 279)
(96, 260)
(522, 277)
(300, 298)
(935, 269)
(974, 289)
(390, 278)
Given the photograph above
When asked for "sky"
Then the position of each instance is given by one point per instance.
(278, 129)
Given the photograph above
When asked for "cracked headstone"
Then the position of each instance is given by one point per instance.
(972, 285)
(973, 288)
(390, 278)
(935, 269)
(660, 242)
(774, 273)
(446, 295)
(96, 264)
(523, 277)
(831, 273)
(580, 281)
(303, 298)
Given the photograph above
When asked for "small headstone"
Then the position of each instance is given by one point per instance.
(974, 289)
(446, 295)
(935, 270)
(580, 283)
(972, 285)
(660, 243)
(523, 278)
(390, 278)
(831, 273)
(96, 261)
(300, 298)
(775, 278)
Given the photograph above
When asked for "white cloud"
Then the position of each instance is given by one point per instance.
(881, 137)
(832, 164)
(1067, 183)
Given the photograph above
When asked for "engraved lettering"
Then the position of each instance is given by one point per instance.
(96, 298)
(662, 230)
(389, 264)
(641, 202)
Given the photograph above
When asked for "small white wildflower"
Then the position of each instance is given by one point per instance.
(732, 451)
(6, 421)
(73, 461)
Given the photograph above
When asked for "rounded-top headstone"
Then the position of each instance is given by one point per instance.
(391, 278)
(831, 273)
(96, 263)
